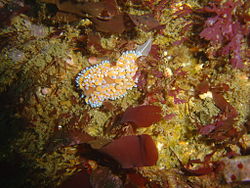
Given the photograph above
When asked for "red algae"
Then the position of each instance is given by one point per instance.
(142, 116)
(224, 106)
(222, 129)
(137, 179)
(202, 87)
(80, 179)
(226, 29)
(205, 167)
(133, 151)
(174, 93)
(104, 147)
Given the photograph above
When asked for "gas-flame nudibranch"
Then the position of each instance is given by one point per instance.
(106, 81)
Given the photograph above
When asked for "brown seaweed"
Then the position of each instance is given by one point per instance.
(146, 22)
(105, 14)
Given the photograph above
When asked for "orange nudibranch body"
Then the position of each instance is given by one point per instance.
(105, 81)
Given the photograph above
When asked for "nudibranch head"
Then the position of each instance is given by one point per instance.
(107, 81)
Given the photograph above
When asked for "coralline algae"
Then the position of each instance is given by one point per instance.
(106, 81)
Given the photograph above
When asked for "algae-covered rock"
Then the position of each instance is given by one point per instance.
(47, 125)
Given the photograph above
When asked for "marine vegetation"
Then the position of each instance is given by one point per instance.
(124, 93)
(227, 29)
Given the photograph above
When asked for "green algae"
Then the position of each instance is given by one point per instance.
(96, 126)
(204, 110)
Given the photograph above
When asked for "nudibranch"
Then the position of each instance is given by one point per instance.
(106, 81)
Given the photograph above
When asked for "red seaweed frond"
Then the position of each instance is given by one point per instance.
(225, 29)
(222, 129)
(206, 166)
(142, 116)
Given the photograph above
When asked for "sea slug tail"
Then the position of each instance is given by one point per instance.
(145, 48)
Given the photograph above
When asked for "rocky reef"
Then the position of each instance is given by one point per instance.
(177, 116)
